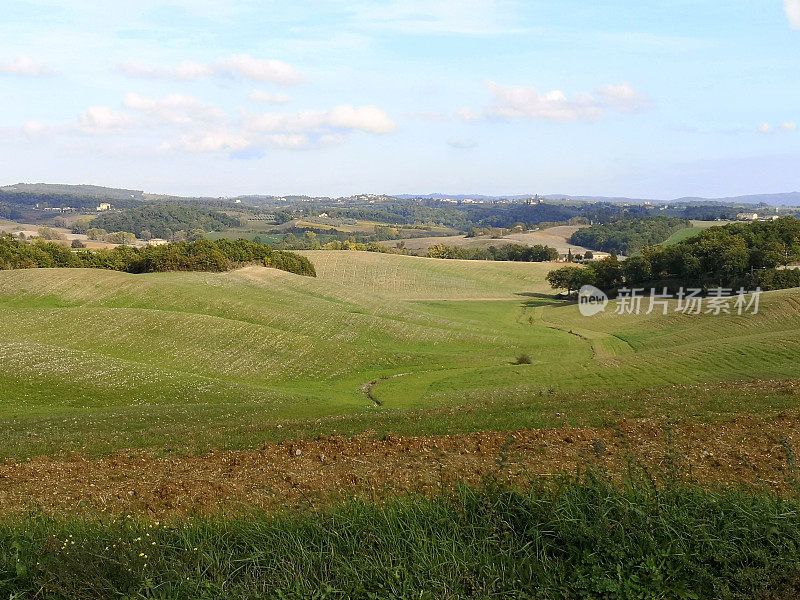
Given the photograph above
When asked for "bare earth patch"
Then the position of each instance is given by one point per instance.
(748, 450)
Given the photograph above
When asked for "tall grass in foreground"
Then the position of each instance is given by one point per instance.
(575, 537)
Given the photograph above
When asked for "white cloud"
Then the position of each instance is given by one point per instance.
(241, 65)
(24, 65)
(273, 71)
(300, 130)
(101, 119)
(462, 144)
(229, 141)
(186, 70)
(527, 103)
(622, 97)
(792, 8)
(34, 128)
(363, 118)
(332, 139)
(292, 141)
(192, 70)
(174, 108)
(428, 115)
(269, 98)
(209, 141)
(515, 103)
(467, 114)
(140, 69)
(765, 128)
(788, 126)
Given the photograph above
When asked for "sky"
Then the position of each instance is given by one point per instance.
(657, 99)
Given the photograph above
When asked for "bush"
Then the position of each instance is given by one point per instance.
(48, 233)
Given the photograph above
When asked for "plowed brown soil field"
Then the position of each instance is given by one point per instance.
(748, 450)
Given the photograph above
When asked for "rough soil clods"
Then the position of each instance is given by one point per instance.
(749, 450)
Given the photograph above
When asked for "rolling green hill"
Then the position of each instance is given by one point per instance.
(94, 361)
(687, 232)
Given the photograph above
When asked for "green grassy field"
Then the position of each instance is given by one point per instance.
(575, 538)
(94, 361)
(687, 232)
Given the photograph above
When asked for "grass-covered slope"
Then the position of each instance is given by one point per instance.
(572, 539)
(695, 228)
(417, 278)
(96, 360)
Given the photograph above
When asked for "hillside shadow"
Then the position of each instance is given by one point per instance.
(540, 299)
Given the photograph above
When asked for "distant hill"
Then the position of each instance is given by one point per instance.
(106, 193)
(438, 196)
(781, 199)
(81, 191)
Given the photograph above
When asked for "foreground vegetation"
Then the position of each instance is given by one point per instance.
(576, 536)
(201, 255)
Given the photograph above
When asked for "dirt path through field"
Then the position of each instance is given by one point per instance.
(748, 450)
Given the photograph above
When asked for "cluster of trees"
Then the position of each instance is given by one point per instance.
(512, 252)
(117, 237)
(721, 254)
(628, 236)
(54, 199)
(363, 247)
(738, 255)
(314, 239)
(9, 212)
(48, 233)
(308, 241)
(418, 214)
(490, 232)
(462, 217)
(201, 255)
(161, 221)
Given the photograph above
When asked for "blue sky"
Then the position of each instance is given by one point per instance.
(647, 99)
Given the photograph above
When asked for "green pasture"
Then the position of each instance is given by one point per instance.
(687, 232)
(95, 361)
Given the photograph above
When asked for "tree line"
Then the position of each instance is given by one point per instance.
(627, 236)
(511, 252)
(746, 255)
(201, 255)
(160, 221)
